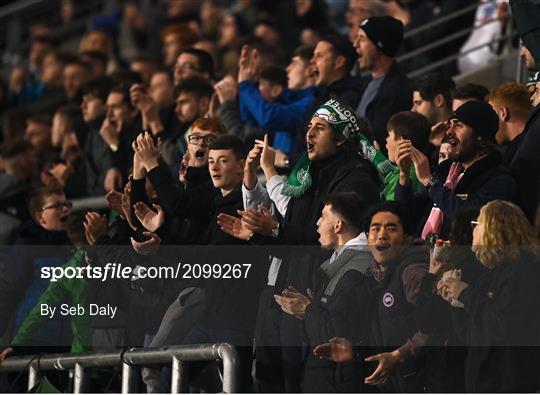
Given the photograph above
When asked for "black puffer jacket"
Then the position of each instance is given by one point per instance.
(503, 328)
(341, 173)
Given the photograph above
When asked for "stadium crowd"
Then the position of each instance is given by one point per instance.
(353, 230)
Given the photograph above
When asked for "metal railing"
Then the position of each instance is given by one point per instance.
(130, 360)
(91, 203)
(449, 38)
(510, 35)
(19, 6)
(437, 22)
(448, 59)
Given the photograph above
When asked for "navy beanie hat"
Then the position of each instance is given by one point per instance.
(385, 32)
(480, 116)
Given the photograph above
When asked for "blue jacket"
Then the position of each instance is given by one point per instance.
(284, 118)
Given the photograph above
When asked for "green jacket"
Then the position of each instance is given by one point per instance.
(392, 178)
(57, 291)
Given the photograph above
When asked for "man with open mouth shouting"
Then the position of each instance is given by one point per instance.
(331, 165)
(473, 176)
(399, 265)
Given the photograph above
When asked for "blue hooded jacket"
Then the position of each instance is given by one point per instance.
(283, 118)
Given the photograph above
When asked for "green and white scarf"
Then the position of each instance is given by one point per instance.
(344, 121)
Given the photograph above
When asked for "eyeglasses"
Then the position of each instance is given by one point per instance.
(58, 206)
(474, 223)
(198, 139)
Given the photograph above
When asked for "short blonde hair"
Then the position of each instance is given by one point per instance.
(507, 233)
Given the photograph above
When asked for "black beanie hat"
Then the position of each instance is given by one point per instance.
(480, 116)
(527, 20)
(385, 32)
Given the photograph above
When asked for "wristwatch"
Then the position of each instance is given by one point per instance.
(113, 147)
(287, 162)
(275, 231)
(431, 182)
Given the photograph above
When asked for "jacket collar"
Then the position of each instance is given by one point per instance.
(415, 250)
(358, 243)
(393, 72)
(330, 269)
(477, 169)
(232, 198)
(331, 165)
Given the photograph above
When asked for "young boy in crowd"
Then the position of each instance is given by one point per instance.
(42, 241)
(56, 292)
(444, 149)
(406, 125)
(271, 105)
(231, 305)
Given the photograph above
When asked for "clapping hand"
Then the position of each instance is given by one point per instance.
(403, 157)
(249, 64)
(253, 162)
(114, 201)
(250, 221)
(141, 99)
(126, 206)
(421, 166)
(148, 247)
(337, 349)
(113, 180)
(388, 363)
(226, 89)
(151, 220)
(293, 302)
(95, 225)
(234, 226)
(110, 132)
(147, 150)
(261, 221)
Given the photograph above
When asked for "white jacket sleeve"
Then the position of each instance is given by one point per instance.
(252, 198)
(274, 187)
(261, 195)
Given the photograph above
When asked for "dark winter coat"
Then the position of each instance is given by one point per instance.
(525, 166)
(394, 95)
(503, 328)
(484, 181)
